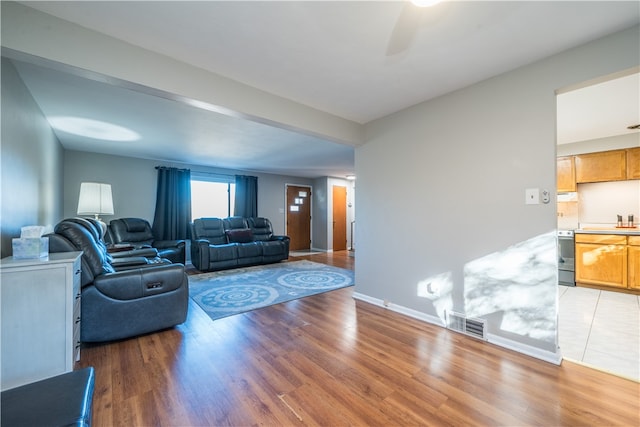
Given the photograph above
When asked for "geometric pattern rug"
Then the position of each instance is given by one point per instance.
(228, 292)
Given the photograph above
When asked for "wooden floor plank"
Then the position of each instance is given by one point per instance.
(331, 360)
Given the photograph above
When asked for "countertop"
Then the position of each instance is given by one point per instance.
(618, 231)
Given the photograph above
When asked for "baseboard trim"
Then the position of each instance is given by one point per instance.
(547, 356)
(399, 309)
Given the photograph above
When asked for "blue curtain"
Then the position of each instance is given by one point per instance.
(173, 204)
(246, 203)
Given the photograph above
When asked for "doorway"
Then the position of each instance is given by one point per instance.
(298, 217)
(339, 218)
(596, 327)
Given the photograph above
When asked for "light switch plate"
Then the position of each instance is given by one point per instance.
(532, 196)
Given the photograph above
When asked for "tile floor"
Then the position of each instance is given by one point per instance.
(600, 329)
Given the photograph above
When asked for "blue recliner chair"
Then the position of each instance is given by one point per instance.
(137, 232)
(121, 304)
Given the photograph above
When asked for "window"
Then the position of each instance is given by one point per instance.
(212, 196)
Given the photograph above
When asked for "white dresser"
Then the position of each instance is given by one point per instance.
(40, 309)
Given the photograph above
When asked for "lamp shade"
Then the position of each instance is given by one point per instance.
(95, 199)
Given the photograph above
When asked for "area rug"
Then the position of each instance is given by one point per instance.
(225, 293)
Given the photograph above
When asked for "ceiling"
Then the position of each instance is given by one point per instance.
(359, 60)
(599, 110)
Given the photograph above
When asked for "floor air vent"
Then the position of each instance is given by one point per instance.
(461, 323)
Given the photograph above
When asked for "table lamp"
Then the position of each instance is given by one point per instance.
(95, 199)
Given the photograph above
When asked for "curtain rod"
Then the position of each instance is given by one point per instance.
(213, 174)
(169, 167)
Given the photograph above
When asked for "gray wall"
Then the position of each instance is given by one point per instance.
(133, 184)
(441, 197)
(31, 162)
(322, 215)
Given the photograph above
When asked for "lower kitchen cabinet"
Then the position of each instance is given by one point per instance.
(40, 302)
(601, 259)
(633, 253)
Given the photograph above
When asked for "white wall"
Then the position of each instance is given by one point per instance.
(601, 144)
(599, 203)
(25, 30)
(133, 184)
(31, 162)
(441, 198)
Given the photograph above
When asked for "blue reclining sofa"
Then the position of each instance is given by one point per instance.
(222, 243)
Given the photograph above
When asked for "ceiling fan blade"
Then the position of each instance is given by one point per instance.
(405, 30)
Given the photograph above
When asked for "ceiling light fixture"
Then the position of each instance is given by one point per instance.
(351, 177)
(93, 129)
(425, 3)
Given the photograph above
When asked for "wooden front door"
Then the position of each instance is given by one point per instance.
(339, 218)
(299, 217)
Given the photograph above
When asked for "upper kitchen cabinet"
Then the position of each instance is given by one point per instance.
(601, 166)
(566, 175)
(633, 163)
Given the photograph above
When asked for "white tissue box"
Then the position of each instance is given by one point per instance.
(27, 248)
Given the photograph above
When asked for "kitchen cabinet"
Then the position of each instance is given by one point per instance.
(633, 254)
(601, 166)
(40, 302)
(633, 163)
(566, 174)
(601, 259)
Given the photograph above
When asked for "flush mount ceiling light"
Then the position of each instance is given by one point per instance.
(425, 3)
(93, 129)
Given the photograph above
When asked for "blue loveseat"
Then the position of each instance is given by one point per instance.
(221, 243)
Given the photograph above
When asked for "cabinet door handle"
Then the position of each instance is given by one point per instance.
(77, 320)
(78, 271)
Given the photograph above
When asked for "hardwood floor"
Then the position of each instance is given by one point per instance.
(331, 360)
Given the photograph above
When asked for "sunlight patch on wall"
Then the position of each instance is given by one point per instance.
(516, 287)
(94, 129)
(438, 289)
